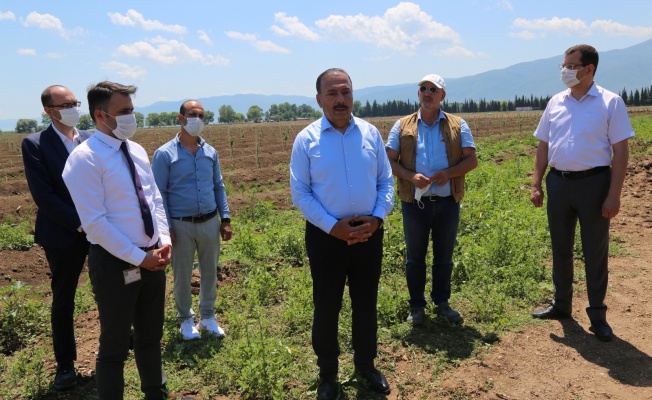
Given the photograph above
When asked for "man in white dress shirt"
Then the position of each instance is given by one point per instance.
(583, 136)
(123, 216)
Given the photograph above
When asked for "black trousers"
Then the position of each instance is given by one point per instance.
(570, 201)
(66, 265)
(332, 263)
(120, 306)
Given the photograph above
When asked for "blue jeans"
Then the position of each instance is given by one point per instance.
(442, 218)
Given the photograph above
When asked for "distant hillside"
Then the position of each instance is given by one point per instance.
(625, 68)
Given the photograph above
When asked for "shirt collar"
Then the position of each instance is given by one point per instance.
(441, 115)
(593, 91)
(63, 137)
(200, 140)
(326, 124)
(108, 140)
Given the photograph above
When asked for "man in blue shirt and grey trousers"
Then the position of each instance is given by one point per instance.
(187, 173)
(341, 180)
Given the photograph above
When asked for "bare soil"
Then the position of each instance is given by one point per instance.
(544, 360)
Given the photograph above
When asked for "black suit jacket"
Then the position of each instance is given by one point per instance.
(44, 157)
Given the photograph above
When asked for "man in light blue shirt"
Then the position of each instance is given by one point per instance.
(187, 172)
(341, 180)
(430, 152)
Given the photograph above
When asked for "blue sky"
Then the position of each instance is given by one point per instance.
(177, 50)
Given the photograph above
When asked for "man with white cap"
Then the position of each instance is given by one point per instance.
(430, 152)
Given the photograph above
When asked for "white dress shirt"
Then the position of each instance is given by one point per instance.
(580, 133)
(70, 144)
(98, 178)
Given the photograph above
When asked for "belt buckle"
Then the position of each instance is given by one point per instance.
(432, 197)
(565, 174)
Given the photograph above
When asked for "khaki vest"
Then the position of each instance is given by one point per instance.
(450, 129)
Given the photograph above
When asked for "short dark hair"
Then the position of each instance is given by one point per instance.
(183, 109)
(46, 96)
(588, 54)
(100, 94)
(331, 71)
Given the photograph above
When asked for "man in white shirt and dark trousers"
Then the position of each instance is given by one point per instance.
(583, 136)
(121, 211)
(341, 180)
(187, 172)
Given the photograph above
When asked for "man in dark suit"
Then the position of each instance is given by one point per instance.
(58, 228)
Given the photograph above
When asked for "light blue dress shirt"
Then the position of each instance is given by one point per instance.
(431, 150)
(335, 175)
(189, 184)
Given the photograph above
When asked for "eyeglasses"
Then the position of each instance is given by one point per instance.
(67, 105)
(431, 89)
(572, 66)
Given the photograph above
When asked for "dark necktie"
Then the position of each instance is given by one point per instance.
(144, 207)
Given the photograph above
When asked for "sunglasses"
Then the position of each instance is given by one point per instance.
(431, 89)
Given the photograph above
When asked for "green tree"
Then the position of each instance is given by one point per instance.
(26, 125)
(140, 119)
(227, 114)
(357, 106)
(85, 122)
(45, 119)
(153, 119)
(255, 114)
(209, 117)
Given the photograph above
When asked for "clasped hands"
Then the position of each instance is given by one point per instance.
(355, 229)
(157, 259)
(440, 178)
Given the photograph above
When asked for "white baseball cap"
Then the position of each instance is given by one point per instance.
(434, 79)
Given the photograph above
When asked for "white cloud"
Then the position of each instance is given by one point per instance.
(53, 55)
(564, 26)
(264, 46)
(166, 51)
(291, 26)
(612, 28)
(124, 70)
(402, 28)
(458, 52)
(44, 21)
(527, 35)
(203, 36)
(27, 52)
(506, 4)
(136, 19)
(7, 15)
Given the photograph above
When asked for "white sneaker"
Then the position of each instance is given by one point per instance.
(210, 325)
(188, 330)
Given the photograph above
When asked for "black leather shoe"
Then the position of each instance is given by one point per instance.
(602, 330)
(375, 379)
(550, 312)
(328, 389)
(66, 377)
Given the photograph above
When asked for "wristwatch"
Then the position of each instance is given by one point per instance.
(381, 222)
(226, 220)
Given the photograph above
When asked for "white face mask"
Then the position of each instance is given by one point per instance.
(126, 126)
(569, 77)
(69, 116)
(194, 126)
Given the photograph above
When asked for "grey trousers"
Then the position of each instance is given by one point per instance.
(570, 201)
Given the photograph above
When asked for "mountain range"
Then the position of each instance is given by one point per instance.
(618, 69)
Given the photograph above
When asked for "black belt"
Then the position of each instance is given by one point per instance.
(152, 247)
(578, 174)
(198, 218)
(433, 197)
